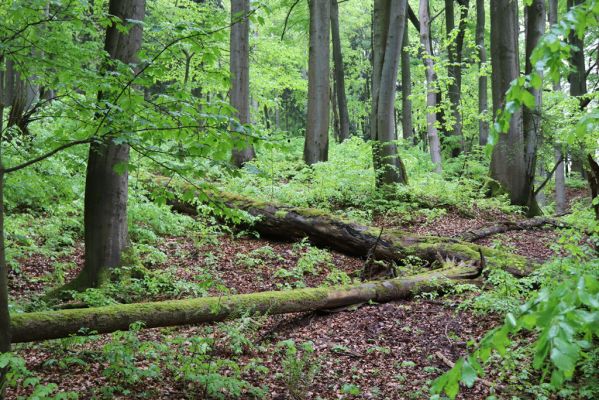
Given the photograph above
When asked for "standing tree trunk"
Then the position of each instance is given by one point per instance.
(483, 102)
(339, 74)
(239, 63)
(508, 166)
(560, 175)
(316, 146)
(578, 85)
(431, 79)
(535, 28)
(4, 313)
(389, 23)
(406, 89)
(105, 216)
(454, 70)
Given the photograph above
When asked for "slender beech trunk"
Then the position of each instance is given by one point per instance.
(508, 165)
(339, 74)
(239, 63)
(483, 102)
(406, 89)
(454, 69)
(535, 28)
(560, 176)
(316, 146)
(105, 214)
(389, 24)
(431, 79)
(335, 121)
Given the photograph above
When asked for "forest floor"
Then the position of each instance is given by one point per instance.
(377, 351)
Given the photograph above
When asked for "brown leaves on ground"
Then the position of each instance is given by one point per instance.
(385, 351)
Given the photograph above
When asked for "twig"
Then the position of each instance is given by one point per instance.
(451, 364)
(370, 257)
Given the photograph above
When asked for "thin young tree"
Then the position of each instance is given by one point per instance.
(239, 64)
(483, 102)
(431, 86)
(389, 22)
(339, 75)
(560, 173)
(535, 28)
(316, 145)
(454, 69)
(106, 184)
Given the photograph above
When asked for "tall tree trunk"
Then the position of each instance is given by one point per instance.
(560, 176)
(406, 89)
(316, 146)
(105, 216)
(508, 166)
(431, 79)
(454, 69)
(535, 28)
(483, 102)
(4, 313)
(389, 24)
(578, 86)
(239, 63)
(339, 74)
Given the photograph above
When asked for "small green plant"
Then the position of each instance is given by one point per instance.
(18, 376)
(351, 389)
(299, 367)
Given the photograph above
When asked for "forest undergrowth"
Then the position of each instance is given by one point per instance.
(376, 351)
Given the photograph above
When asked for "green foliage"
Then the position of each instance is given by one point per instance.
(18, 376)
(299, 368)
(550, 58)
(311, 261)
(190, 360)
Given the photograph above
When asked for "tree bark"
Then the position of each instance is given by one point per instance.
(578, 85)
(105, 214)
(339, 74)
(59, 324)
(560, 175)
(316, 145)
(406, 89)
(431, 79)
(454, 69)
(508, 165)
(483, 102)
(389, 24)
(239, 63)
(5, 320)
(535, 28)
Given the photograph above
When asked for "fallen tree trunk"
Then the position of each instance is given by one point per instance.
(293, 223)
(537, 222)
(45, 325)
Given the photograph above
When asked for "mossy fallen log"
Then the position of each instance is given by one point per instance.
(46, 325)
(293, 223)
